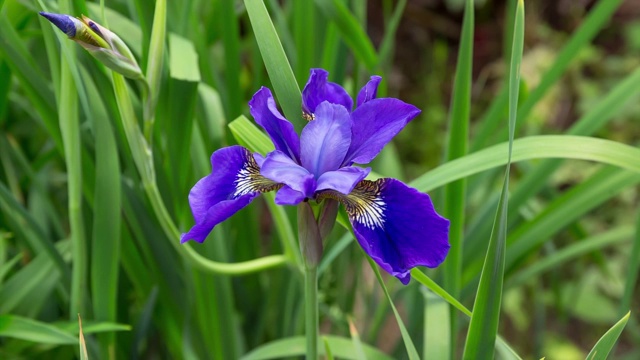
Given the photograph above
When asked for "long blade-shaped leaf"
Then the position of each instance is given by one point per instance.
(602, 348)
(295, 346)
(352, 33)
(19, 327)
(455, 192)
(278, 67)
(483, 328)
(408, 343)
(532, 147)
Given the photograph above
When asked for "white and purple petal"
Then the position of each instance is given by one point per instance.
(342, 180)
(375, 123)
(397, 226)
(233, 183)
(281, 131)
(318, 89)
(369, 91)
(325, 140)
(282, 169)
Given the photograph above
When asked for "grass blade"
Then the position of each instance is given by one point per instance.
(483, 328)
(632, 272)
(156, 59)
(584, 246)
(598, 17)
(408, 343)
(70, 129)
(357, 343)
(303, 21)
(602, 348)
(352, 33)
(105, 254)
(455, 192)
(280, 73)
(232, 60)
(532, 147)
(83, 345)
(341, 348)
(18, 327)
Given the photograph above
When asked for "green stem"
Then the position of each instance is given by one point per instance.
(142, 157)
(311, 310)
(70, 129)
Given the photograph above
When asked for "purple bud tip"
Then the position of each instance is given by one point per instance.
(63, 22)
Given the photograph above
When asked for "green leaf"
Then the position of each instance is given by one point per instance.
(248, 135)
(483, 328)
(352, 33)
(562, 256)
(156, 56)
(408, 343)
(602, 348)
(304, 15)
(18, 327)
(632, 272)
(532, 147)
(84, 355)
(357, 343)
(228, 22)
(455, 192)
(295, 346)
(105, 252)
(435, 288)
(388, 41)
(278, 67)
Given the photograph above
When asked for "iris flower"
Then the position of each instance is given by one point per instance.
(396, 225)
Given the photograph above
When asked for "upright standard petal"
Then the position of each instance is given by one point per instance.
(234, 182)
(397, 226)
(325, 140)
(264, 111)
(319, 89)
(369, 91)
(375, 123)
(282, 169)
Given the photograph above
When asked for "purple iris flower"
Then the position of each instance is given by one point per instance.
(396, 225)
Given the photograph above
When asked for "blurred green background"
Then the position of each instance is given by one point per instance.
(80, 229)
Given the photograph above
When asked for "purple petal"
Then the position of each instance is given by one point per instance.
(342, 180)
(258, 158)
(326, 139)
(282, 169)
(234, 182)
(318, 89)
(264, 111)
(397, 226)
(375, 123)
(64, 22)
(369, 91)
(288, 196)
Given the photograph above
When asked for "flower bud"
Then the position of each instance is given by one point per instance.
(100, 42)
(309, 235)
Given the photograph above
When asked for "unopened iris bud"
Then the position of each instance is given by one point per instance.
(100, 42)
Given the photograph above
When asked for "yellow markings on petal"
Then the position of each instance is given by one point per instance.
(364, 204)
(249, 179)
(308, 116)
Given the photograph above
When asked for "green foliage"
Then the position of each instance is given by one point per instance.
(95, 172)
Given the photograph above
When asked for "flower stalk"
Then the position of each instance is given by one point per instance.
(311, 310)
(311, 249)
